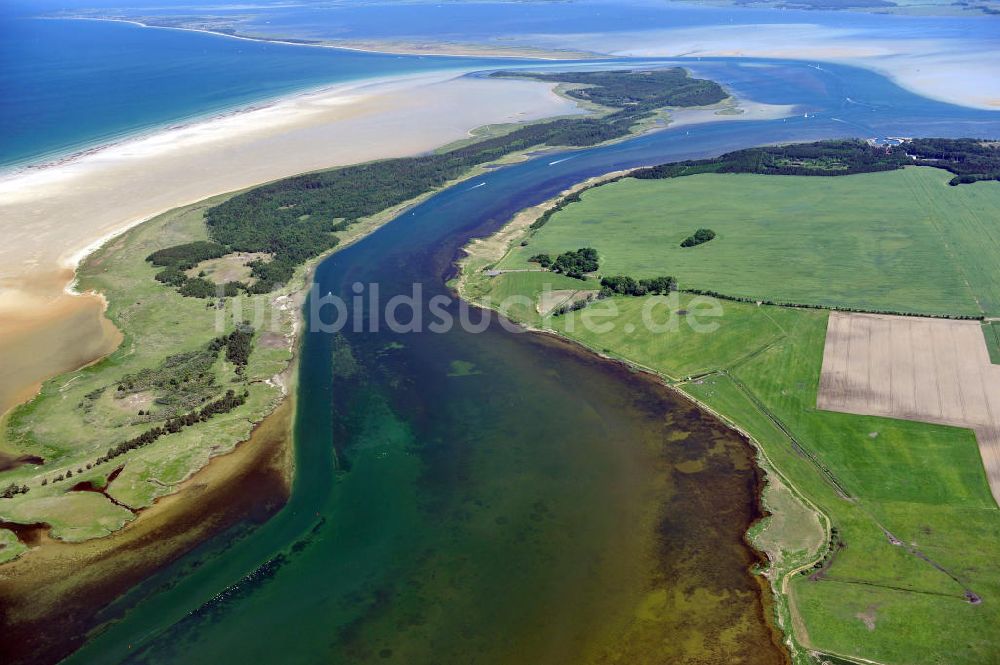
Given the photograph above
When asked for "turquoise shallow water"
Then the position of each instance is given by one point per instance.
(497, 497)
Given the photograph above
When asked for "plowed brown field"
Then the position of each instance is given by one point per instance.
(929, 370)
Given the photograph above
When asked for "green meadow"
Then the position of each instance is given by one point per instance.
(899, 240)
(77, 417)
(991, 330)
(914, 525)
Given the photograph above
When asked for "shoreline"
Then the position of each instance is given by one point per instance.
(180, 520)
(209, 503)
(65, 212)
(775, 594)
(915, 65)
(554, 55)
(288, 389)
(55, 160)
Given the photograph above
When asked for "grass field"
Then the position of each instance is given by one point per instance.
(78, 416)
(680, 350)
(923, 483)
(916, 528)
(991, 330)
(900, 240)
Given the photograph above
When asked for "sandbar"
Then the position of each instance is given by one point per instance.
(51, 217)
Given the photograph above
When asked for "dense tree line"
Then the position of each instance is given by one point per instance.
(699, 237)
(297, 218)
(629, 286)
(969, 159)
(560, 204)
(574, 263)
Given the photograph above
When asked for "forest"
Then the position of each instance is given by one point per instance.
(969, 159)
(297, 218)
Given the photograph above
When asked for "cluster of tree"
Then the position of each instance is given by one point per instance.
(698, 237)
(576, 263)
(188, 255)
(649, 89)
(969, 159)
(199, 287)
(297, 218)
(543, 260)
(13, 490)
(629, 286)
(238, 344)
(225, 404)
(175, 370)
(179, 258)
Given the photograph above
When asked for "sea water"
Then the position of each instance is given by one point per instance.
(69, 85)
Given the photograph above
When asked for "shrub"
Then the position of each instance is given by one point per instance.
(698, 237)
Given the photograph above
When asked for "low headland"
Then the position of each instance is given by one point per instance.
(866, 512)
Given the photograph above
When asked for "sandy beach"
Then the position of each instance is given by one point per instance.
(52, 217)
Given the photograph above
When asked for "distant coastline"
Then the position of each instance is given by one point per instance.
(443, 49)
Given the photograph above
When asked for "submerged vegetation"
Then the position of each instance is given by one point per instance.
(900, 515)
(298, 218)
